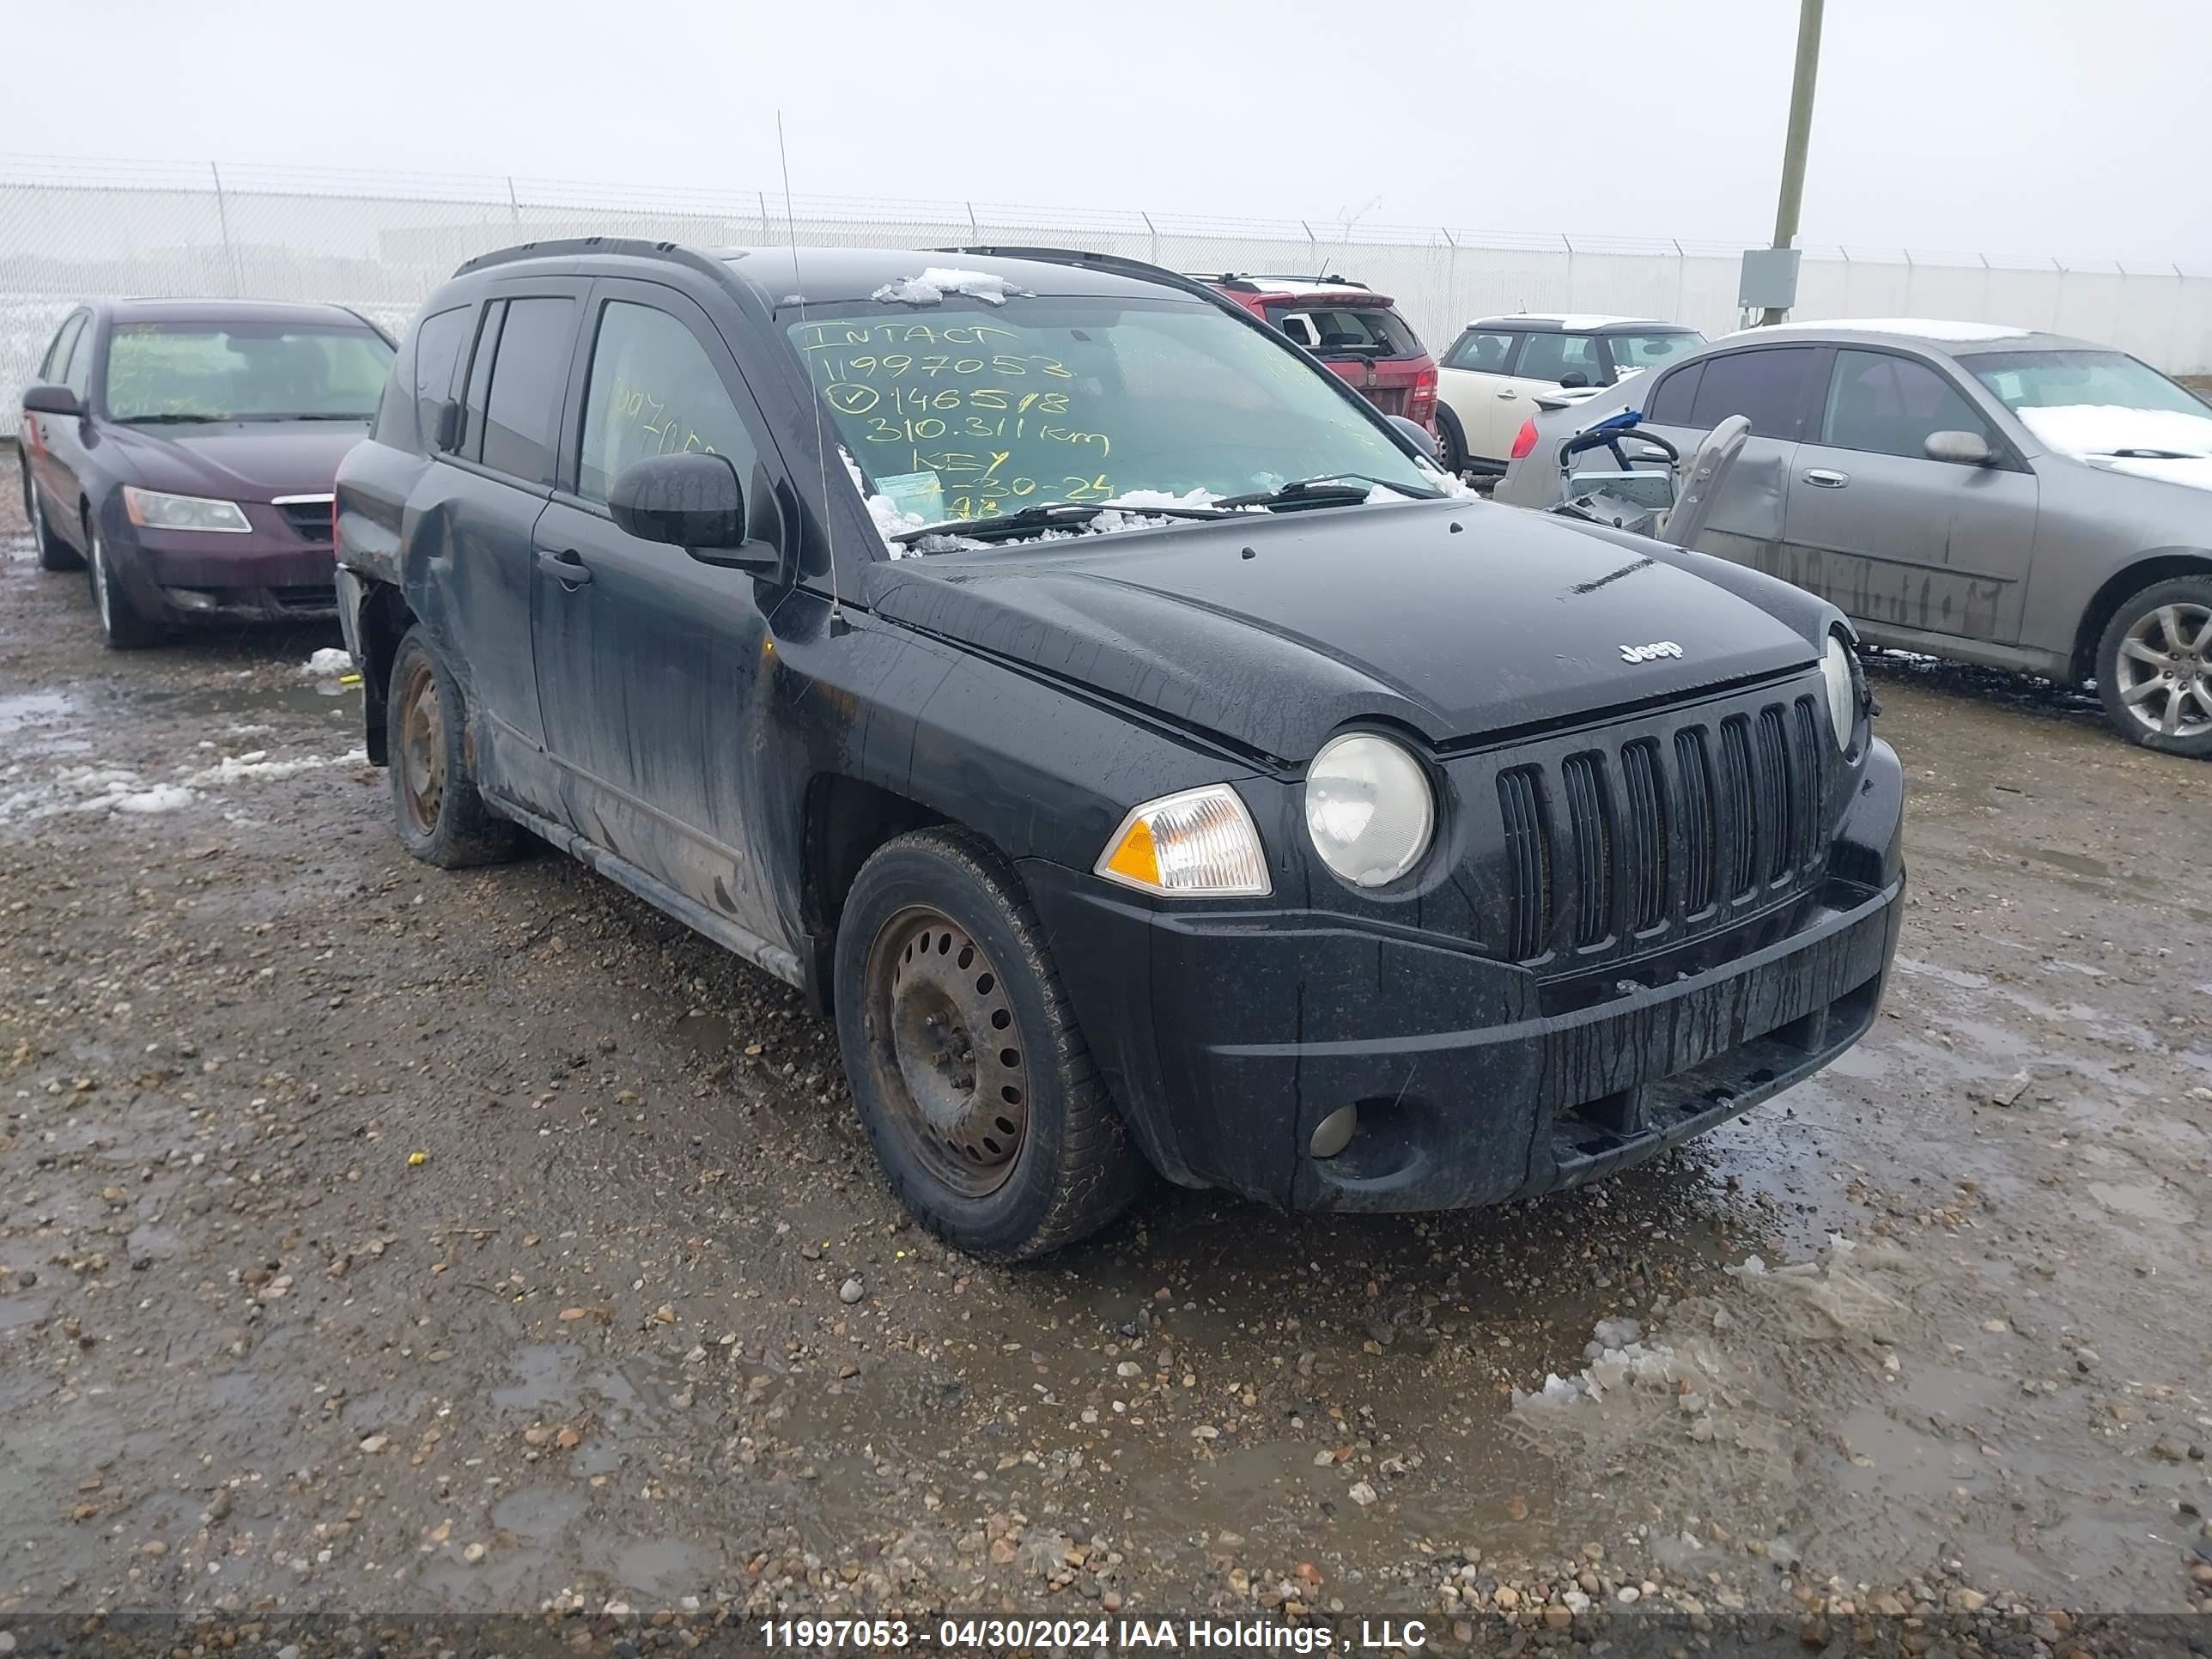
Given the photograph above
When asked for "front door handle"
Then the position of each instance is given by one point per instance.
(570, 570)
(1827, 478)
(1509, 394)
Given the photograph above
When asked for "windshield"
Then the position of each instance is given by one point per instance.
(244, 371)
(2075, 379)
(968, 410)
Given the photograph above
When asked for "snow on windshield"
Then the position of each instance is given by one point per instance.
(934, 284)
(2116, 438)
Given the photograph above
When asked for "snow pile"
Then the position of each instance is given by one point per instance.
(889, 521)
(328, 664)
(256, 764)
(110, 789)
(162, 798)
(935, 283)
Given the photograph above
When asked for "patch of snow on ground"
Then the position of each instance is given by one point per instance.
(328, 663)
(121, 789)
(934, 284)
(162, 798)
(256, 763)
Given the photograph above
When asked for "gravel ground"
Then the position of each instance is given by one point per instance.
(377, 1240)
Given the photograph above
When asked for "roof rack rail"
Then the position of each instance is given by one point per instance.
(635, 246)
(1248, 280)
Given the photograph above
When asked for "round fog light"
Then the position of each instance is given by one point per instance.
(1333, 1133)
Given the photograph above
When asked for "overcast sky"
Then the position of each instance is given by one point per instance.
(2070, 127)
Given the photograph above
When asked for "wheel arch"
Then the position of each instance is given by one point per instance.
(384, 619)
(2158, 565)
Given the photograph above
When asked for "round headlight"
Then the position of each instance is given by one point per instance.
(1836, 669)
(1368, 809)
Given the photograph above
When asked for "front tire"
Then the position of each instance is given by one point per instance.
(120, 625)
(2154, 667)
(441, 816)
(986, 1109)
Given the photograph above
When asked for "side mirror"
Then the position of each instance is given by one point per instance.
(52, 400)
(1574, 377)
(1420, 436)
(1959, 449)
(447, 437)
(693, 501)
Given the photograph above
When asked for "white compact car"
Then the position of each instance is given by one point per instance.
(1488, 382)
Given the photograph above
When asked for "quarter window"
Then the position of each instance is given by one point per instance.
(654, 391)
(1673, 399)
(1889, 405)
(1766, 386)
(529, 371)
(1554, 356)
(438, 342)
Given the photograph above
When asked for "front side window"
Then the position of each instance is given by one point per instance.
(243, 371)
(654, 391)
(1554, 356)
(986, 409)
(1480, 351)
(1347, 331)
(529, 369)
(55, 364)
(1891, 406)
(1766, 386)
(77, 373)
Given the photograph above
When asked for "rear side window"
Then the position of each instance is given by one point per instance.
(1674, 397)
(1889, 405)
(654, 391)
(1480, 351)
(530, 368)
(1766, 387)
(438, 341)
(1554, 356)
(1347, 331)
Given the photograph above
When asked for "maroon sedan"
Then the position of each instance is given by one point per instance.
(182, 452)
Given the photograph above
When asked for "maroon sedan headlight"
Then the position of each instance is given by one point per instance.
(151, 509)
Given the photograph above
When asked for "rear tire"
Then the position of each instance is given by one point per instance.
(54, 554)
(440, 817)
(120, 625)
(1451, 442)
(2154, 667)
(986, 1109)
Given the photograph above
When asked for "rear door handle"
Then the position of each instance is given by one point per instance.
(1825, 478)
(570, 570)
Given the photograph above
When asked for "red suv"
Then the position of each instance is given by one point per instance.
(1355, 330)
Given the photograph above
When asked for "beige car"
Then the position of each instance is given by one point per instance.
(1488, 382)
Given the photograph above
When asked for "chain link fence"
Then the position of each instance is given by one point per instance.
(76, 229)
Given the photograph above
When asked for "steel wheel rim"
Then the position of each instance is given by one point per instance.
(422, 748)
(947, 1052)
(100, 594)
(2165, 669)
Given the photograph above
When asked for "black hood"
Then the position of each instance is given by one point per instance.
(1454, 618)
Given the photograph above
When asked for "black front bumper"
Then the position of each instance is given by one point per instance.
(1227, 1038)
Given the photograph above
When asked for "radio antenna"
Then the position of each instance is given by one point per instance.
(837, 622)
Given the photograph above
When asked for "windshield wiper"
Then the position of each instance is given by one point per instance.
(1337, 488)
(318, 416)
(2145, 453)
(173, 420)
(1046, 515)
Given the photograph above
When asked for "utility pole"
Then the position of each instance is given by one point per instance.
(1801, 131)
